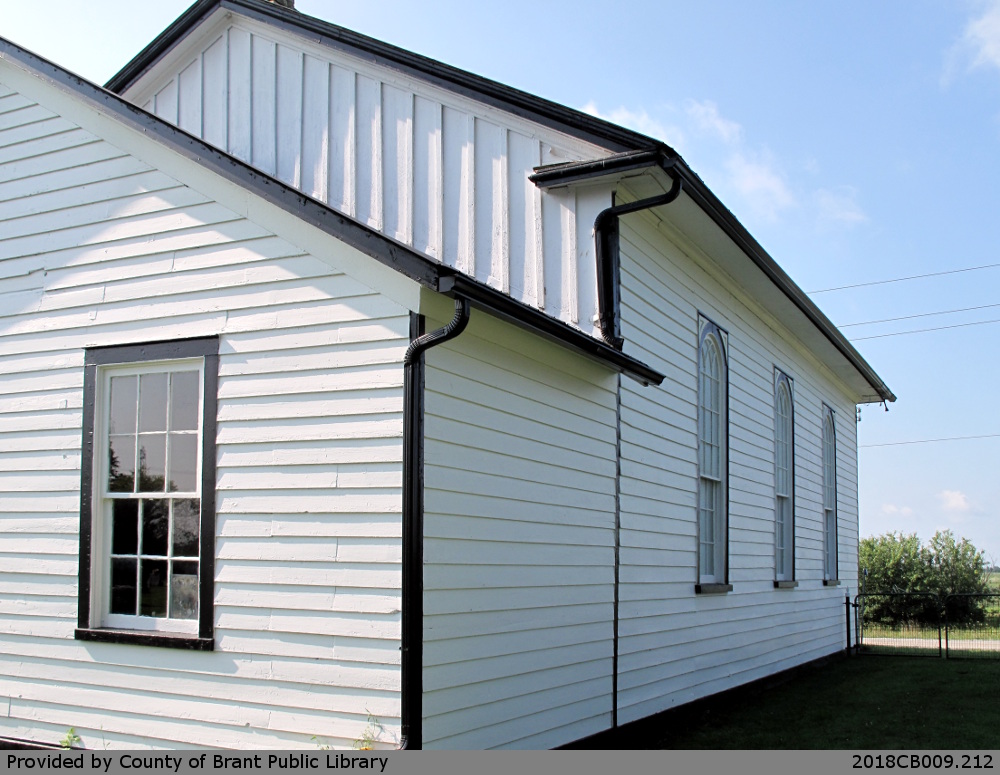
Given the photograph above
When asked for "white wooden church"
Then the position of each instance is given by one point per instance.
(345, 394)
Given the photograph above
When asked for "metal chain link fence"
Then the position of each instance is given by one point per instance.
(926, 624)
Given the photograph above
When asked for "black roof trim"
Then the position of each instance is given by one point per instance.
(556, 175)
(514, 101)
(363, 238)
(566, 173)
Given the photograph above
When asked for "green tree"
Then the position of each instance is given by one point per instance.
(895, 563)
(958, 568)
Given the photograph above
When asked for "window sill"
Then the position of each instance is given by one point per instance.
(712, 589)
(785, 584)
(831, 582)
(168, 640)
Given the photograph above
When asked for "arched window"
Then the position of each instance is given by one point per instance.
(712, 456)
(829, 495)
(784, 480)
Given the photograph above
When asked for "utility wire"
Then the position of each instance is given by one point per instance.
(902, 279)
(932, 441)
(925, 330)
(920, 315)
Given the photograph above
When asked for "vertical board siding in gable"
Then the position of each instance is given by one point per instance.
(289, 105)
(428, 184)
(97, 248)
(446, 177)
(526, 280)
(519, 547)
(240, 94)
(215, 91)
(316, 129)
(676, 646)
(190, 91)
(397, 160)
(263, 104)
(368, 164)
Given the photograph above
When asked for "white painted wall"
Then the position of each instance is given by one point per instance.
(97, 247)
(677, 646)
(432, 169)
(519, 551)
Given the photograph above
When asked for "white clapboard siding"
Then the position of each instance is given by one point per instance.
(97, 248)
(519, 548)
(676, 646)
(429, 168)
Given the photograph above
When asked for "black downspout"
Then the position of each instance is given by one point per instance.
(608, 264)
(606, 247)
(412, 636)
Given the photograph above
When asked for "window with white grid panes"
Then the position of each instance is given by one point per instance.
(784, 479)
(712, 455)
(829, 495)
(151, 494)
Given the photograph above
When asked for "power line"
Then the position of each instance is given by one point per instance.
(932, 441)
(920, 315)
(925, 330)
(903, 279)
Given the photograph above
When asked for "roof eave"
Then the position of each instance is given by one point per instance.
(662, 158)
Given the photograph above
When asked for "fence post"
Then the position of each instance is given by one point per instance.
(944, 623)
(847, 619)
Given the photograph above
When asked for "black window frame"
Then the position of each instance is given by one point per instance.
(206, 348)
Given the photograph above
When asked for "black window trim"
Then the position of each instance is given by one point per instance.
(206, 348)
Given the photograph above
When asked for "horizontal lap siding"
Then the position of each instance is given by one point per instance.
(427, 167)
(519, 548)
(95, 249)
(676, 646)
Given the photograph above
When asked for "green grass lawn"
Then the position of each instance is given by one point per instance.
(868, 702)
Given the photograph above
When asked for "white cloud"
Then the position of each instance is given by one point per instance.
(759, 183)
(982, 38)
(640, 121)
(954, 501)
(748, 177)
(706, 116)
(840, 206)
(892, 510)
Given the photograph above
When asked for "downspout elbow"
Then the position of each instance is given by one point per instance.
(441, 335)
(606, 249)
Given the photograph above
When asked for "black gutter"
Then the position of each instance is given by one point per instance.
(412, 637)
(514, 101)
(663, 158)
(507, 308)
(566, 173)
(606, 246)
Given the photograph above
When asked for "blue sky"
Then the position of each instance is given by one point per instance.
(857, 141)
